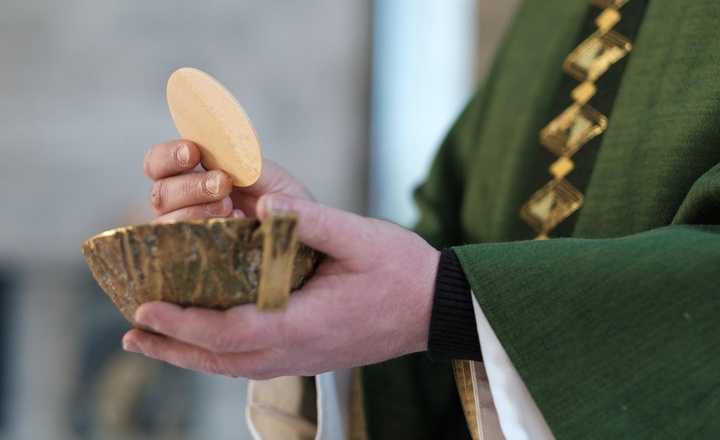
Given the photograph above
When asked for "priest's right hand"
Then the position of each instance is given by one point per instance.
(184, 190)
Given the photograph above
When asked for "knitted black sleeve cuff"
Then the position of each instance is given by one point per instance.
(453, 330)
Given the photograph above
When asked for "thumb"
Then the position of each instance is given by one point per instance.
(327, 230)
(276, 179)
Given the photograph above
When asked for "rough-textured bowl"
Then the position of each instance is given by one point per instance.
(204, 263)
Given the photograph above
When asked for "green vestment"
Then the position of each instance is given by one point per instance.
(616, 330)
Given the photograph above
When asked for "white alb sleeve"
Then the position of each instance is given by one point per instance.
(520, 418)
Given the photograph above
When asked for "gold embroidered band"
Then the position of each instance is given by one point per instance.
(578, 124)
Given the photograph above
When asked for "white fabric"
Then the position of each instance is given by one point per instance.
(520, 418)
(274, 409)
(272, 405)
(333, 390)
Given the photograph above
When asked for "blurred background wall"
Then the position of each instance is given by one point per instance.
(337, 91)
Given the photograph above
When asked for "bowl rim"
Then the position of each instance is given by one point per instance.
(204, 221)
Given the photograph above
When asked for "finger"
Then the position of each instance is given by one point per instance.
(220, 209)
(239, 329)
(170, 158)
(176, 192)
(254, 365)
(328, 230)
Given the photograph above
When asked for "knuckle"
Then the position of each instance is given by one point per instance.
(157, 196)
(154, 351)
(211, 363)
(219, 365)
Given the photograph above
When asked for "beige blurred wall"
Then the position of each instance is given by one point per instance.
(82, 97)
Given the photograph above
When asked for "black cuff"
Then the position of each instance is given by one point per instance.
(453, 329)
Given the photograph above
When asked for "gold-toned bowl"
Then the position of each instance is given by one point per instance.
(216, 263)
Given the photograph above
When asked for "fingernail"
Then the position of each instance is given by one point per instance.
(182, 155)
(216, 208)
(132, 347)
(237, 214)
(212, 184)
(277, 203)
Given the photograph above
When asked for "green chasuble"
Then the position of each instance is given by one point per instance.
(615, 330)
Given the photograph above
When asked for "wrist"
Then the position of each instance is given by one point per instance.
(419, 307)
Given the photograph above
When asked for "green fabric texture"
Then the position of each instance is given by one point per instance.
(615, 331)
(622, 341)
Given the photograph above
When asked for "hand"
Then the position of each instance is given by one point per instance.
(369, 301)
(183, 190)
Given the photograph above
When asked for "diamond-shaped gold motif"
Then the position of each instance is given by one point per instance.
(572, 129)
(594, 56)
(550, 205)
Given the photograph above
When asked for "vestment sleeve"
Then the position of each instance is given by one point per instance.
(610, 335)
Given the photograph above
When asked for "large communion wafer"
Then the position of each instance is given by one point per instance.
(207, 114)
(216, 263)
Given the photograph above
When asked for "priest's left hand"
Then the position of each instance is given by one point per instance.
(369, 301)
